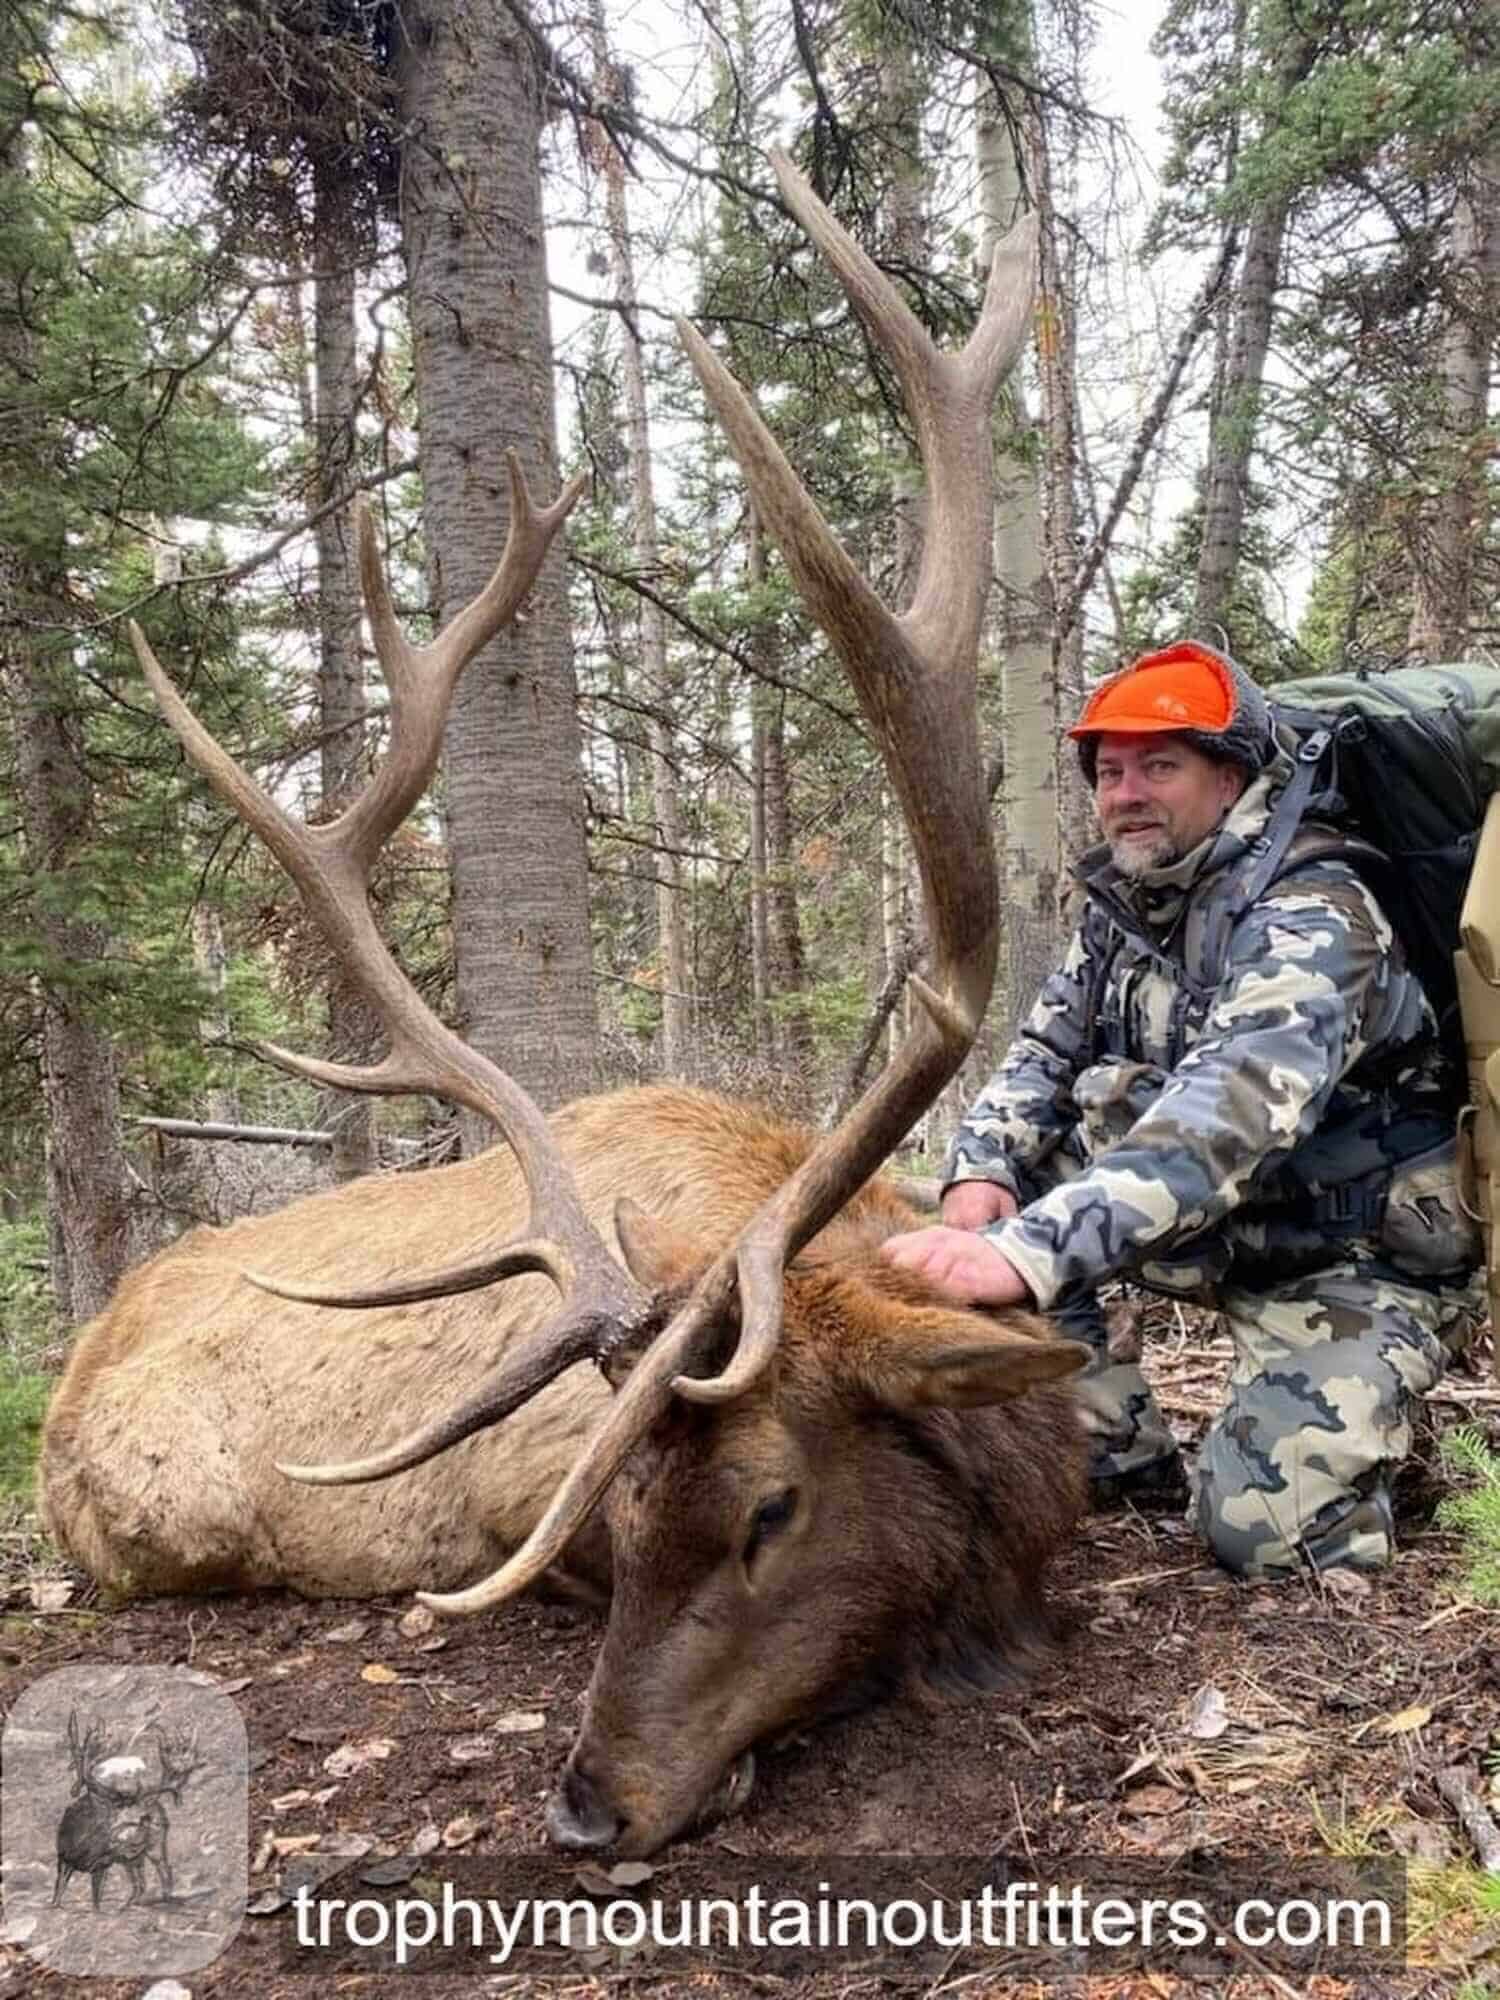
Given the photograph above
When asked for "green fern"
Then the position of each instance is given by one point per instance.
(1475, 1514)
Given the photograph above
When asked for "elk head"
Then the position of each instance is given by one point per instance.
(708, 1402)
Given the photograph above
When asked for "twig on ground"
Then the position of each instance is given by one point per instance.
(1476, 1821)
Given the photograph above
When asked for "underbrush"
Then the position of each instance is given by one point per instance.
(1473, 1513)
(26, 1332)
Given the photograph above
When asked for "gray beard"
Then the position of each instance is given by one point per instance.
(1134, 858)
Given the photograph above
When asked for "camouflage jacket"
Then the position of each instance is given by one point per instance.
(1181, 1133)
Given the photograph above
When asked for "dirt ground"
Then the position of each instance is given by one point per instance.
(1186, 1715)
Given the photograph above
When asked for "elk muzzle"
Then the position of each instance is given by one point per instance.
(584, 1818)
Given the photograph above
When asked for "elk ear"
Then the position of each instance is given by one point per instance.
(956, 1361)
(656, 1256)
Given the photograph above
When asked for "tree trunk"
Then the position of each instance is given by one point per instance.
(1029, 719)
(1235, 406)
(1453, 520)
(1236, 409)
(656, 673)
(341, 690)
(761, 1034)
(88, 1186)
(786, 960)
(471, 215)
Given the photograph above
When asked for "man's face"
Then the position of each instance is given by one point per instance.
(1156, 797)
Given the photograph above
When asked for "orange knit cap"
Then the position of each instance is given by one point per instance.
(1182, 687)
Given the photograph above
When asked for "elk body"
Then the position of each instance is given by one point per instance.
(805, 1478)
(833, 1534)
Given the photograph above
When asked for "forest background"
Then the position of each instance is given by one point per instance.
(257, 260)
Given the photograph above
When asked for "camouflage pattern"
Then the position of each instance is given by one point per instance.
(1127, 1431)
(1236, 1145)
(1295, 1470)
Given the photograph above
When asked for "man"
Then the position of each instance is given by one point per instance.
(1231, 1091)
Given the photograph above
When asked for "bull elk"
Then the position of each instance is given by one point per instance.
(817, 1482)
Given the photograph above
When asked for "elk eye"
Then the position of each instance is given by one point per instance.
(769, 1517)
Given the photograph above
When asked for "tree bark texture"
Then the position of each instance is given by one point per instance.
(1031, 846)
(1235, 409)
(655, 675)
(88, 1187)
(476, 273)
(787, 959)
(1454, 514)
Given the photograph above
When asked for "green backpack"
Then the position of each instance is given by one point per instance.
(1405, 761)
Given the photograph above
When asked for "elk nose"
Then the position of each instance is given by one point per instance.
(578, 1815)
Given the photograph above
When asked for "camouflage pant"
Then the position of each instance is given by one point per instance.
(1295, 1468)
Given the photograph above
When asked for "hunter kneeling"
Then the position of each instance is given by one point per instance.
(1220, 1096)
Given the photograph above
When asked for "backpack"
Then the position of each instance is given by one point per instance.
(1405, 762)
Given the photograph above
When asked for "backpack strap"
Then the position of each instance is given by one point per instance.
(1268, 852)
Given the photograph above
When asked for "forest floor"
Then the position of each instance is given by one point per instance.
(1187, 1721)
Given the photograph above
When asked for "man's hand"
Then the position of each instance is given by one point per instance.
(956, 1261)
(976, 1204)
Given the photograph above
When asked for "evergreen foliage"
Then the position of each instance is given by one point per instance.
(1474, 1514)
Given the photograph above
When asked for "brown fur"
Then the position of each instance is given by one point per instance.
(925, 1509)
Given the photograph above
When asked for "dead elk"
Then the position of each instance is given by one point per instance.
(815, 1480)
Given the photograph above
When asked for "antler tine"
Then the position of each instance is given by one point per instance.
(331, 864)
(915, 675)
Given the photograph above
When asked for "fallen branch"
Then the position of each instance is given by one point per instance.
(1477, 1822)
(249, 1135)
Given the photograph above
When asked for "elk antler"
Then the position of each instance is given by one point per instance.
(331, 866)
(915, 675)
(915, 678)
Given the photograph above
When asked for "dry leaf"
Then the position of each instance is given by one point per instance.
(1208, 1716)
(630, 1874)
(433, 1645)
(345, 1635)
(520, 1721)
(51, 1593)
(351, 1757)
(416, 1623)
(390, 1870)
(1152, 1799)
(1405, 1720)
(460, 1830)
(378, 1675)
(593, 1881)
(424, 1840)
(347, 1846)
(294, 1843)
(471, 1749)
(289, 1801)
(236, 1687)
(263, 1853)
